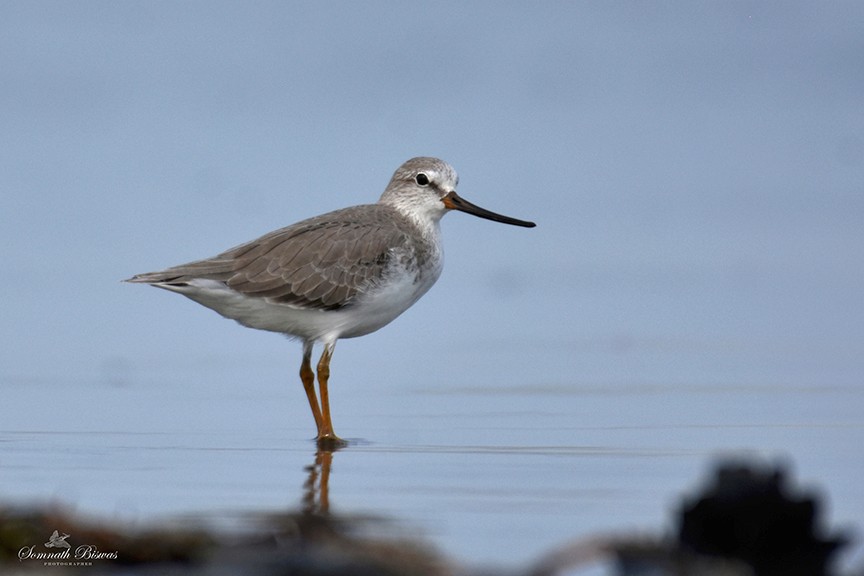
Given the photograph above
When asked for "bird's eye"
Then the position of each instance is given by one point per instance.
(422, 179)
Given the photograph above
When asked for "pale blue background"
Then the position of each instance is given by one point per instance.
(696, 171)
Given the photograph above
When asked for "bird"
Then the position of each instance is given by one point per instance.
(342, 274)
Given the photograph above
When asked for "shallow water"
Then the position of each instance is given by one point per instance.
(488, 474)
(693, 287)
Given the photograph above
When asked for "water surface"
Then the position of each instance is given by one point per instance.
(489, 474)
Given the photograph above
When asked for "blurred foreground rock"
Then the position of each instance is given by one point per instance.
(746, 521)
(280, 545)
(749, 512)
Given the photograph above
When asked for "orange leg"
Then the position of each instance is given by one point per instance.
(308, 378)
(326, 436)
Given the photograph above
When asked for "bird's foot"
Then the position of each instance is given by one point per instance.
(330, 442)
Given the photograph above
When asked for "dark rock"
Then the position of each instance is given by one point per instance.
(749, 513)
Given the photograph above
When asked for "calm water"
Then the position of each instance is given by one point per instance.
(693, 287)
(487, 473)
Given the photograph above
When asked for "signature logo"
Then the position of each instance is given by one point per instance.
(57, 541)
(83, 555)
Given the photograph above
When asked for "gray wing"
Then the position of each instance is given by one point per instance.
(320, 263)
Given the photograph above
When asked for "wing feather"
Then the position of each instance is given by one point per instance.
(321, 263)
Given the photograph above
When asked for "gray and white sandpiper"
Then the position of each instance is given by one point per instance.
(338, 275)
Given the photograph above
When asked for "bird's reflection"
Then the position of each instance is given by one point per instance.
(316, 490)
